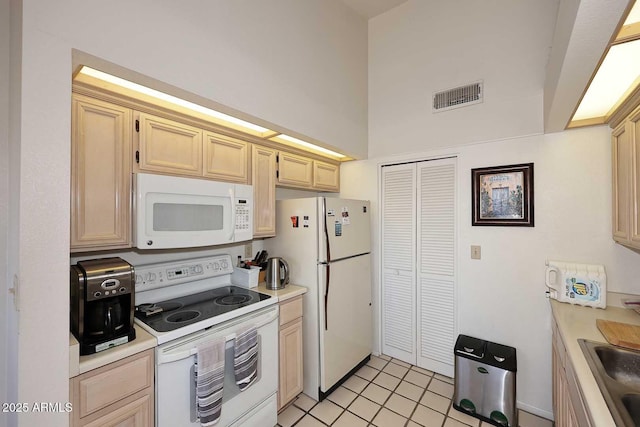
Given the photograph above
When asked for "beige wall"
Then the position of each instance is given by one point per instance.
(301, 65)
(424, 46)
(4, 193)
(502, 296)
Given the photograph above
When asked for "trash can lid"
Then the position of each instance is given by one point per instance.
(469, 346)
(502, 356)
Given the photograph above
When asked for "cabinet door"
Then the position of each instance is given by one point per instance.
(290, 362)
(634, 204)
(226, 158)
(263, 177)
(294, 171)
(169, 147)
(138, 413)
(326, 176)
(621, 155)
(100, 175)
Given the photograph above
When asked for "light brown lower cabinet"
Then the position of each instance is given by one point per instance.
(569, 409)
(290, 351)
(118, 394)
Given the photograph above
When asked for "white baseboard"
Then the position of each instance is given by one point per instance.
(535, 411)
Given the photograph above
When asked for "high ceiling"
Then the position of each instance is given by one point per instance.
(372, 8)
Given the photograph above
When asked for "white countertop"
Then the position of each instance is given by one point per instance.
(81, 364)
(576, 322)
(289, 291)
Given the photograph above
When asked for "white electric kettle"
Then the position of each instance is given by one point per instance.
(277, 273)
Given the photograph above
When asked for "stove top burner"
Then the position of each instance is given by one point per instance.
(175, 313)
(232, 299)
(182, 316)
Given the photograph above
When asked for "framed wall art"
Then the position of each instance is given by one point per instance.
(502, 195)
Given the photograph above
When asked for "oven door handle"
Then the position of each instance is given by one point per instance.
(191, 350)
(194, 399)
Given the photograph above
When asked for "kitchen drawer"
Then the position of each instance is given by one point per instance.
(290, 310)
(104, 386)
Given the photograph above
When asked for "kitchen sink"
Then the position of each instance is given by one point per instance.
(617, 372)
(632, 403)
(621, 365)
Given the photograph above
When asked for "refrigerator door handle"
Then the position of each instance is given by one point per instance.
(326, 230)
(326, 298)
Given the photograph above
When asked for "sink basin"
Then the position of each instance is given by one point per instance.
(621, 365)
(632, 404)
(617, 372)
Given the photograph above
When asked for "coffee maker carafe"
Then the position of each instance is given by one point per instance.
(102, 303)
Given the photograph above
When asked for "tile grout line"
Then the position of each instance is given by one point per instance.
(391, 391)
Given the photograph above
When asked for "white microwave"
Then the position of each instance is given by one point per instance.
(173, 212)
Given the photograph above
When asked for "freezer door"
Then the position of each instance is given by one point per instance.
(346, 326)
(345, 225)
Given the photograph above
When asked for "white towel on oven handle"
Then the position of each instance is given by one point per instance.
(210, 381)
(245, 357)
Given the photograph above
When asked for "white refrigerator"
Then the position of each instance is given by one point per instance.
(327, 243)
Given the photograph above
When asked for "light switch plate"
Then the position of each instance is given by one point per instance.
(248, 250)
(475, 251)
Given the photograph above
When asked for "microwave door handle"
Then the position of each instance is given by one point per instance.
(232, 196)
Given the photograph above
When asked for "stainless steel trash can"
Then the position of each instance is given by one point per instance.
(485, 381)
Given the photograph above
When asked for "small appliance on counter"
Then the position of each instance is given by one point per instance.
(580, 284)
(102, 303)
(277, 273)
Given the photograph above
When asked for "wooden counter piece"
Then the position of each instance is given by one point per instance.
(620, 334)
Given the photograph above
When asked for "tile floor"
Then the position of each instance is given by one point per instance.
(388, 393)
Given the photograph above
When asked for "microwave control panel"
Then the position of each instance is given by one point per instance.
(173, 273)
(242, 216)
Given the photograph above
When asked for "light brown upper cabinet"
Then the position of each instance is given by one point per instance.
(625, 144)
(301, 172)
(167, 146)
(226, 158)
(100, 175)
(326, 176)
(294, 171)
(263, 178)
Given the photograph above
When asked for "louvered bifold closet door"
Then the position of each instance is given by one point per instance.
(398, 262)
(436, 273)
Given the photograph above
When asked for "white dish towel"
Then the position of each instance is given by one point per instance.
(210, 381)
(245, 359)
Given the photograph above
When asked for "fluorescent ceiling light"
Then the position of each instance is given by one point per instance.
(169, 98)
(309, 145)
(634, 15)
(618, 73)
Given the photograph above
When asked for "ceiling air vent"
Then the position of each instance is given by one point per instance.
(457, 97)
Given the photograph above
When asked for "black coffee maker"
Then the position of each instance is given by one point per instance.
(102, 303)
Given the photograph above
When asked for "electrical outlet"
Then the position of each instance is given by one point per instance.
(475, 251)
(248, 251)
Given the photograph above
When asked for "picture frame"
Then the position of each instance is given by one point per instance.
(503, 196)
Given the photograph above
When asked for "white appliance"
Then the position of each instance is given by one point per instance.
(326, 242)
(174, 212)
(188, 303)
